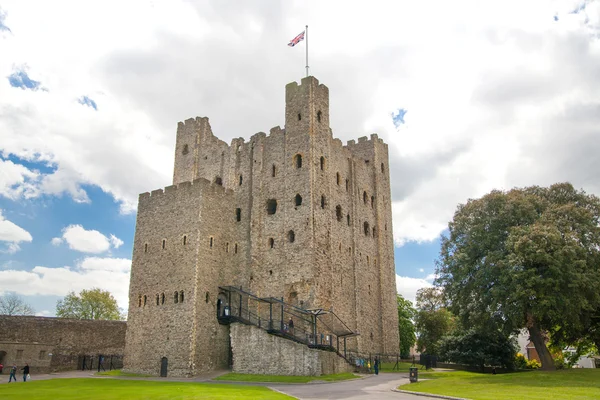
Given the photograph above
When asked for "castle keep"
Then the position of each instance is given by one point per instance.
(294, 215)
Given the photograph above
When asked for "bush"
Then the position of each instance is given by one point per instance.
(478, 349)
(533, 364)
(520, 361)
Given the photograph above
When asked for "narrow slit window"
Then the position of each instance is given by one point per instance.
(185, 149)
(365, 196)
(176, 297)
(227, 247)
(323, 201)
(347, 184)
(372, 201)
(157, 300)
(374, 231)
(164, 244)
(271, 206)
(181, 296)
(184, 240)
(162, 298)
(322, 163)
(337, 178)
(219, 180)
(207, 297)
(241, 180)
(366, 228)
(298, 200)
(382, 168)
(271, 243)
(291, 236)
(238, 214)
(145, 300)
(273, 170)
(319, 116)
(211, 243)
(146, 248)
(299, 117)
(298, 160)
(338, 212)
(348, 219)
(235, 247)
(140, 300)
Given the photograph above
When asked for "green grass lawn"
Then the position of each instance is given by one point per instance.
(110, 389)
(232, 376)
(580, 384)
(402, 367)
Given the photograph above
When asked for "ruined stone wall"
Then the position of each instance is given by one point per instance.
(32, 339)
(257, 352)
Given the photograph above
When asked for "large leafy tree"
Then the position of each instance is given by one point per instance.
(12, 304)
(529, 258)
(89, 304)
(433, 320)
(406, 327)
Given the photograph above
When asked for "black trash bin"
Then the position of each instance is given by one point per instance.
(414, 374)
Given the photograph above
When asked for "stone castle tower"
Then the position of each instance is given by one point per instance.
(294, 214)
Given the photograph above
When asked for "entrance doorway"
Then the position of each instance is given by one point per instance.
(2, 357)
(164, 364)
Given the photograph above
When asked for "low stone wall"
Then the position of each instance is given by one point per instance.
(257, 352)
(59, 344)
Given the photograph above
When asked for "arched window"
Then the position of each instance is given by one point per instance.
(238, 214)
(271, 243)
(298, 200)
(181, 296)
(323, 201)
(185, 149)
(176, 297)
(271, 206)
(366, 228)
(298, 160)
(365, 197)
(338, 212)
(162, 298)
(337, 178)
(273, 170)
(291, 236)
(322, 163)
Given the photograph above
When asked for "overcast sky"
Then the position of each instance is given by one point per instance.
(470, 95)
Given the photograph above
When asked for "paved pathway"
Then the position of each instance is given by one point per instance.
(371, 387)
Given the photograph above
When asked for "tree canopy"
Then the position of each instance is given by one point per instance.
(529, 257)
(406, 327)
(12, 304)
(432, 321)
(89, 304)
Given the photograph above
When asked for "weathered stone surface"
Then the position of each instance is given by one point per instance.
(341, 258)
(32, 339)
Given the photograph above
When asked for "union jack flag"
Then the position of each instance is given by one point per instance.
(296, 40)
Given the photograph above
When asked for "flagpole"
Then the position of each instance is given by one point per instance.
(307, 50)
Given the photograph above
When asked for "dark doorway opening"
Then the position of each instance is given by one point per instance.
(164, 364)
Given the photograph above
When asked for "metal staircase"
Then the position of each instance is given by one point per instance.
(316, 328)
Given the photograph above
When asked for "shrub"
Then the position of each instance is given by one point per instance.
(520, 361)
(533, 364)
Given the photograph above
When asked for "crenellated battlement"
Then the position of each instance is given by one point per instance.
(185, 188)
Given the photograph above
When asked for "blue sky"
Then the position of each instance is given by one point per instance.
(504, 95)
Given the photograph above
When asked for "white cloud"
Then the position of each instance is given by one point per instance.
(421, 270)
(514, 103)
(408, 287)
(115, 241)
(13, 235)
(110, 274)
(87, 241)
(44, 313)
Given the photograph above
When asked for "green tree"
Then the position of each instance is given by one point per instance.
(479, 348)
(432, 321)
(12, 304)
(89, 304)
(406, 327)
(528, 257)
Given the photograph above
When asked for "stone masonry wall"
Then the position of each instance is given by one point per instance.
(31, 340)
(257, 352)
